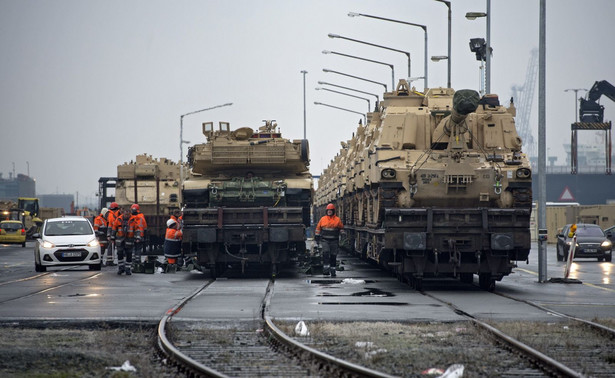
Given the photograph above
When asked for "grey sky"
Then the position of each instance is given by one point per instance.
(88, 85)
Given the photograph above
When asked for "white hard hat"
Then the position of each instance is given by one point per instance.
(104, 211)
(170, 222)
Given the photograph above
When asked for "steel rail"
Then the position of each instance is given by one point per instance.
(543, 361)
(300, 348)
(175, 354)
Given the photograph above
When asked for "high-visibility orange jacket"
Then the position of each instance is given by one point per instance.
(127, 227)
(100, 223)
(329, 227)
(172, 242)
(112, 215)
(143, 222)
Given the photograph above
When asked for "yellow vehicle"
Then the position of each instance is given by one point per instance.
(12, 232)
(29, 216)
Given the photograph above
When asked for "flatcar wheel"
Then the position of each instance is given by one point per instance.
(466, 277)
(486, 282)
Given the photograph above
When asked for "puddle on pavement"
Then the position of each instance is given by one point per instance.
(332, 282)
(368, 292)
(366, 303)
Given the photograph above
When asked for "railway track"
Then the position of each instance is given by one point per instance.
(47, 288)
(245, 349)
(572, 347)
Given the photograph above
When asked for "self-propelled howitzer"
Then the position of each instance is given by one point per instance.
(434, 185)
(248, 198)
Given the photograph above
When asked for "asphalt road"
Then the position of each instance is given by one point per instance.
(360, 292)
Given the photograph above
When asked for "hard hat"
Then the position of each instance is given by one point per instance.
(104, 211)
(134, 207)
(170, 222)
(330, 207)
(114, 206)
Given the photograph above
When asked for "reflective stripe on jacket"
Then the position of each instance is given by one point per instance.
(329, 227)
(100, 223)
(172, 242)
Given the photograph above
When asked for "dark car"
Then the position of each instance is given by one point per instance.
(610, 233)
(591, 242)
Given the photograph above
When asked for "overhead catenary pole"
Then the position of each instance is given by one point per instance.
(542, 146)
(344, 109)
(369, 107)
(448, 4)
(304, 112)
(367, 60)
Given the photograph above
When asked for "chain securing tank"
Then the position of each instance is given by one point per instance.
(435, 184)
(248, 198)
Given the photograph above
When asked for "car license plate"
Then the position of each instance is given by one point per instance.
(589, 250)
(71, 254)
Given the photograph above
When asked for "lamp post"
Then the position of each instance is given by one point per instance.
(348, 94)
(448, 5)
(351, 89)
(182, 141)
(375, 45)
(344, 109)
(326, 70)
(304, 114)
(424, 27)
(576, 100)
(473, 16)
(367, 60)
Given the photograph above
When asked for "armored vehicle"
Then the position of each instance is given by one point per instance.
(248, 198)
(435, 184)
(153, 184)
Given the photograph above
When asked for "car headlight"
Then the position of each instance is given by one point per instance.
(94, 243)
(47, 245)
(606, 244)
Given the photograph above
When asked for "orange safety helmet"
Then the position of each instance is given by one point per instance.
(330, 207)
(134, 208)
(114, 206)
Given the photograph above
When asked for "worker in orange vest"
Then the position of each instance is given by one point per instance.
(125, 231)
(100, 228)
(135, 211)
(172, 244)
(114, 213)
(328, 230)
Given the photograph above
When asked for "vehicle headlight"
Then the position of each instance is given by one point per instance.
(94, 243)
(606, 244)
(523, 173)
(47, 245)
(388, 173)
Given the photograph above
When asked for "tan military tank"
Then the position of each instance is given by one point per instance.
(154, 185)
(248, 198)
(435, 184)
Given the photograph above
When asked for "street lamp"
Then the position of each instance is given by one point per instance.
(576, 100)
(344, 109)
(182, 141)
(374, 45)
(326, 70)
(348, 94)
(448, 4)
(473, 16)
(367, 60)
(304, 114)
(351, 89)
(424, 27)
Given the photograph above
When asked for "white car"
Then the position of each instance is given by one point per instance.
(66, 241)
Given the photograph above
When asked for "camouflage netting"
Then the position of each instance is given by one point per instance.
(465, 101)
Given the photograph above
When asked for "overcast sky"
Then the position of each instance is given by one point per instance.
(88, 85)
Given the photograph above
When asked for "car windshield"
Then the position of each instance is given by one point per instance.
(11, 226)
(589, 231)
(68, 227)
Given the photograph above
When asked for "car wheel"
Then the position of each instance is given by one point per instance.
(95, 266)
(39, 268)
(608, 258)
(600, 259)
